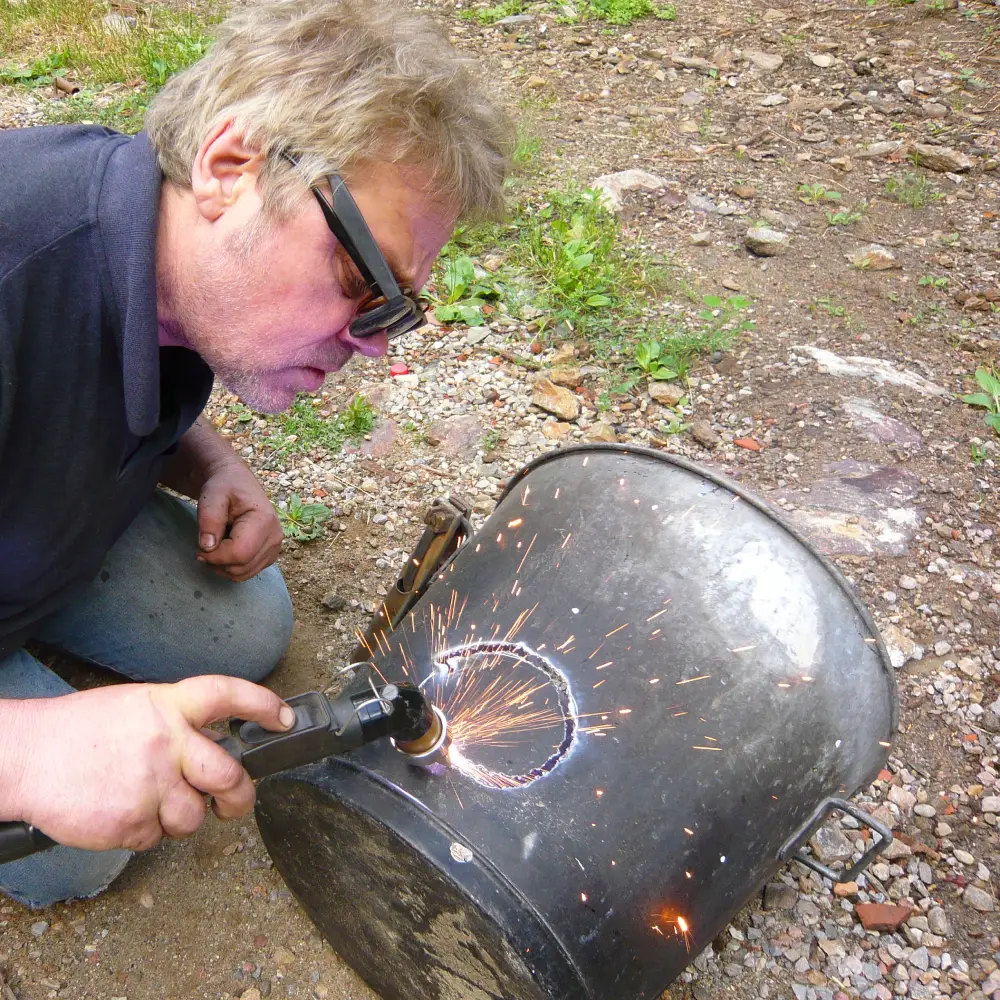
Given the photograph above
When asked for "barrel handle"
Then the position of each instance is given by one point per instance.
(788, 852)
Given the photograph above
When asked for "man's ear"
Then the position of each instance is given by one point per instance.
(225, 169)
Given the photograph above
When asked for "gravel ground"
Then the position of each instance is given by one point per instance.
(840, 407)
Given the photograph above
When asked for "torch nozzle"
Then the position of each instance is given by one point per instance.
(431, 741)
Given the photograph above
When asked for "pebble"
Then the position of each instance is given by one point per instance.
(907, 583)
(146, 901)
(979, 899)
(766, 242)
(702, 432)
(39, 927)
(925, 809)
(991, 804)
(964, 857)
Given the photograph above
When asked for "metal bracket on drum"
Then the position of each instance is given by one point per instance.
(788, 852)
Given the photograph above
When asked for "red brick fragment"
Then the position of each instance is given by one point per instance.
(882, 916)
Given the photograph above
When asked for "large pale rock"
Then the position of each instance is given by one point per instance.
(601, 432)
(875, 368)
(766, 242)
(766, 61)
(614, 185)
(943, 159)
(555, 399)
(873, 257)
(666, 393)
(569, 377)
(457, 436)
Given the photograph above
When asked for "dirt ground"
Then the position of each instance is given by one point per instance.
(691, 102)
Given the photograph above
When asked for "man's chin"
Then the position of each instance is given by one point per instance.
(274, 392)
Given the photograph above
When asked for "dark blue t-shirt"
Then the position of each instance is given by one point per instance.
(89, 402)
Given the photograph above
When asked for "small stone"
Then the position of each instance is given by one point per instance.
(458, 436)
(477, 334)
(536, 82)
(878, 149)
(700, 203)
(333, 601)
(701, 431)
(568, 377)
(873, 257)
(39, 927)
(925, 809)
(882, 916)
(943, 159)
(822, 59)
(555, 399)
(118, 24)
(779, 896)
(146, 901)
(702, 239)
(556, 430)
(902, 798)
(842, 163)
(943, 830)
(766, 242)
(601, 432)
(690, 99)
(773, 101)
(942, 648)
(978, 899)
(282, 956)
(745, 191)
(766, 61)
(830, 845)
(666, 393)
(991, 804)
(564, 354)
(896, 850)
(230, 849)
(964, 857)
(907, 583)
(251, 994)
(937, 922)
(845, 889)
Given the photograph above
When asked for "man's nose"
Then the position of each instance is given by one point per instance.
(371, 347)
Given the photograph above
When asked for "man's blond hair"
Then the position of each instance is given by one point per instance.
(338, 83)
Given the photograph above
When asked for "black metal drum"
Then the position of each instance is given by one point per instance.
(655, 691)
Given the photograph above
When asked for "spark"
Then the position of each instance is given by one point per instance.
(555, 496)
(624, 711)
(784, 684)
(677, 715)
(601, 666)
(706, 748)
(687, 874)
(621, 482)
(566, 643)
(691, 680)
(526, 551)
(654, 680)
(479, 545)
(658, 613)
(516, 523)
(608, 635)
(583, 897)
(524, 495)
(806, 678)
(596, 651)
(655, 633)
(585, 461)
(599, 683)
(742, 649)
(598, 792)
(513, 589)
(566, 540)
(884, 743)
(499, 538)
(689, 832)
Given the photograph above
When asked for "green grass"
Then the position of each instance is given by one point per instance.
(622, 12)
(302, 429)
(912, 189)
(82, 47)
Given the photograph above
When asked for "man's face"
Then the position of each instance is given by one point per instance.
(268, 304)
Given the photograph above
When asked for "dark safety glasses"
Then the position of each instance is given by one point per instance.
(393, 310)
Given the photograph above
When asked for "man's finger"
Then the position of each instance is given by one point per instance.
(208, 768)
(213, 516)
(211, 697)
(181, 811)
(246, 537)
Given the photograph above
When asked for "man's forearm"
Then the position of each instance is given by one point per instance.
(200, 451)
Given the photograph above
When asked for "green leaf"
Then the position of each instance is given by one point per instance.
(988, 381)
(663, 374)
(979, 399)
(993, 419)
(713, 301)
(598, 300)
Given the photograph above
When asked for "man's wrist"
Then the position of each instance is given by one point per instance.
(18, 722)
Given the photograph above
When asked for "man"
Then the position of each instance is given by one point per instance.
(292, 190)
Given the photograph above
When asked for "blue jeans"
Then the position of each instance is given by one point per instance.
(153, 614)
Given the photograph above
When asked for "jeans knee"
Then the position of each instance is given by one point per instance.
(268, 626)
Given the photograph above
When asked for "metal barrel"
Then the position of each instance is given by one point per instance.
(655, 691)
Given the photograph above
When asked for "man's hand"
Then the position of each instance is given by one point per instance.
(232, 498)
(124, 766)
